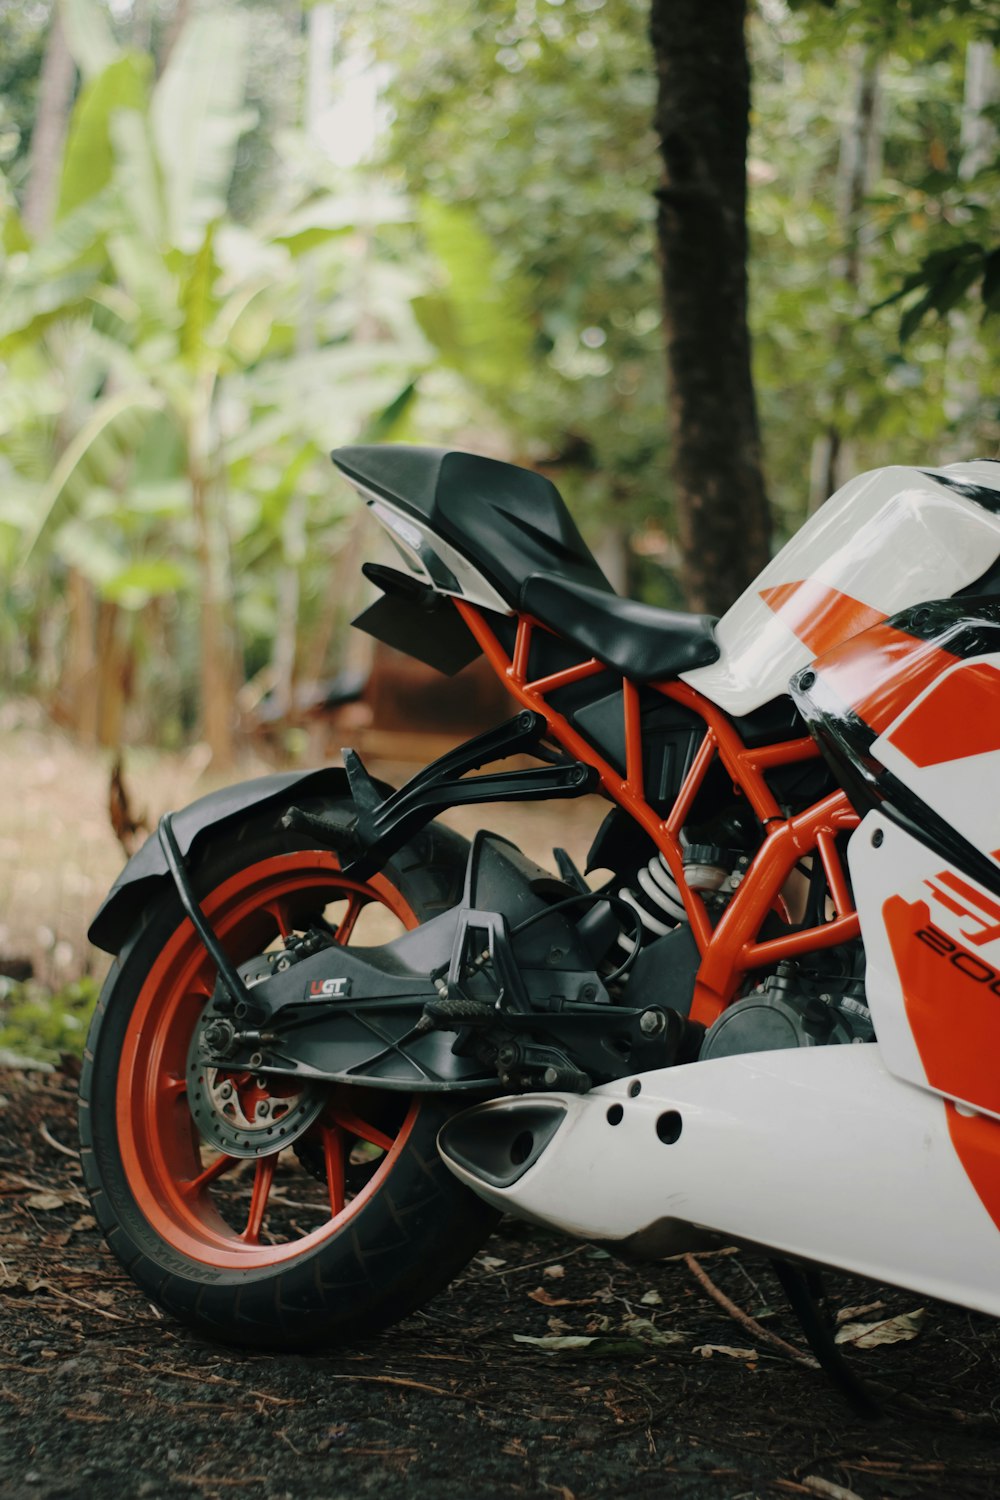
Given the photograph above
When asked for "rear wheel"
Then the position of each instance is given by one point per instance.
(269, 1212)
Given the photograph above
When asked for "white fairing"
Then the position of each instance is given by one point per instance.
(889, 539)
(815, 1152)
(885, 861)
(962, 790)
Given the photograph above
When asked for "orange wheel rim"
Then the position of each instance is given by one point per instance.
(197, 1207)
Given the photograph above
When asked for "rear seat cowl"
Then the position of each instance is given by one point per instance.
(508, 521)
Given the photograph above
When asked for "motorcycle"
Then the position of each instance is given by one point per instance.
(775, 1022)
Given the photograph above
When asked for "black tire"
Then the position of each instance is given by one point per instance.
(409, 1227)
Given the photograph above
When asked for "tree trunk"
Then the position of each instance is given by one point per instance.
(114, 673)
(320, 34)
(172, 33)
(857, 169)
(218, 691)
(55, 95)
(702, 120)
(964, 403)
(77, 699)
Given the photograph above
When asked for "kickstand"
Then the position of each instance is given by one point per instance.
(804, 1289)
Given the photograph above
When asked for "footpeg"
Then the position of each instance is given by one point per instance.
(452, 1011)
(333, 831)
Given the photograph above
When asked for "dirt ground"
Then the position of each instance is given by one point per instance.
(102, 1396)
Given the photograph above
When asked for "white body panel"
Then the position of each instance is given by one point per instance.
(899, 864)
(889, 539)
(962, 791)
(816, 1152)
(902, 866)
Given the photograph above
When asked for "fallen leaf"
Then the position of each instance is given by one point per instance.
(888, 1331)
(45, 1202)
(557, 1325)
(651, 1299)
(556, 1341)
(707, 1350)
(852, 1314)
(11, 1283)
(646, 1329)
(554, 1273)
(598, 1347)
(85, 1221)
(547, 1299)
(491, 1262)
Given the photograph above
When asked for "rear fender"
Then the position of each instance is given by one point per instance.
(146, 872)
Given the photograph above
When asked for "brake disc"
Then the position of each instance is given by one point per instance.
(249, 1114)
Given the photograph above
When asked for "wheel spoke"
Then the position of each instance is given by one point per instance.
(279, 911)
(349, 919)
(333, 1155)
(263, 1178)
(221, 1164)
(365, 1132)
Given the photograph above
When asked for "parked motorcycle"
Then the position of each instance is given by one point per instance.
(776, 1022)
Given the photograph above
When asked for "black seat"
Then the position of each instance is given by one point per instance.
(514, 525)
(642, 642)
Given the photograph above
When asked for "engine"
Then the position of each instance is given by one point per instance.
(793, 1008)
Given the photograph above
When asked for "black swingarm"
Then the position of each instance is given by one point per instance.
(497, 992)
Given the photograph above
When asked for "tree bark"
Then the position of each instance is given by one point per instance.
(970, 417)
(172, 34)
(77, 696)
(55, 95)
(218, 687)
(701, 120)
(857, 168)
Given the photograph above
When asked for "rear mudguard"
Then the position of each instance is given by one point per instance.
(146, 871)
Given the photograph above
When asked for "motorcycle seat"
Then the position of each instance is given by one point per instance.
(641, 641)
(513, 524)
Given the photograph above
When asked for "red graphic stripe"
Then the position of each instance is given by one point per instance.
(879, 673)
(960, 716)
(820, 616)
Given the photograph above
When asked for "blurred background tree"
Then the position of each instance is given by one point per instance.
(236, 235)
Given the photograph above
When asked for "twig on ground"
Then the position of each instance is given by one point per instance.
(817, 1486)
(71, 1194)
(419, 1385)
(59, 1296)
(50, 1140)
(743, 1318)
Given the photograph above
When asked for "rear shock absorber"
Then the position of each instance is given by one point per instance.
(656, 898)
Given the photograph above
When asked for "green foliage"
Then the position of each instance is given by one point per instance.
(23, 30)
(530, 132)
(167, 411)
(43, 1023)
(943, 280)
(216, 305)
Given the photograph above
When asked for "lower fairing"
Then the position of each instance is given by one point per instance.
(815, 1153)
